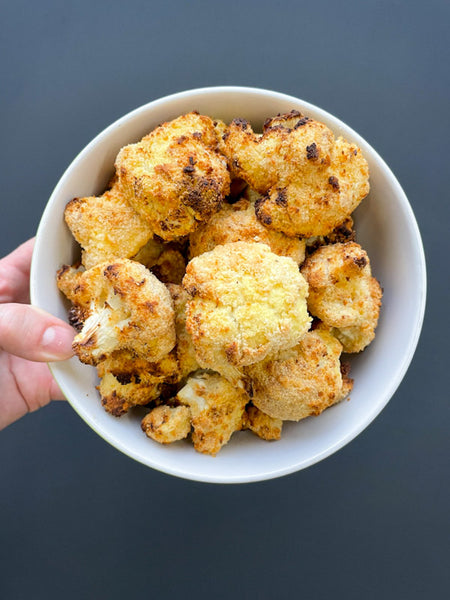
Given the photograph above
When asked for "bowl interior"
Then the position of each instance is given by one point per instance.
(386, 228)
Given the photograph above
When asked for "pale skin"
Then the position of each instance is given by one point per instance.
(29, 338)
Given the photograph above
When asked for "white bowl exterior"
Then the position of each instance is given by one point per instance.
(386, 228)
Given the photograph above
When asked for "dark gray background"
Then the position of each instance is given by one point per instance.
(80, 520)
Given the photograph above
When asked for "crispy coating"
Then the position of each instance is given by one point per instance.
(343, 293)
(217, 408)
(187, 360)
(265, 427)
(246, 302)
(127, 308)
(106, 227)
(170, 267)
(149, 253)
(127, 380)
(175, 177)
(344, 232)
(300, 381)
(238, 223)
(166, 424)
(164, 260)
(117, 397)
(67, 279)
(309, 181)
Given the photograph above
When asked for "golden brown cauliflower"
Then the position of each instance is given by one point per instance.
(166, 424)
(125, 307)
(342, 233)
(309, 181)
(127, 380)
(217, 408)
(106, 227)
(238, 223)
(187, 360)
(265, 427)
(343, 294)
(118, 397)
(300, 381)
(68, 279)
(246, 302)
(175, 177)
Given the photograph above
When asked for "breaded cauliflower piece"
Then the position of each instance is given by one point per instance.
(187, 360)
(309, 181)
(106, 227)
(126, 308)
(149, 253)
(68, 279)
(238, 223)
(166, 424)
(175, 177)
(217, 408)
(300, 381)
(164, 260)
(265, 427)
(127, 380)
(118, 397)
(170, 266)
(246, 302)
(343, 294)
(342, 233)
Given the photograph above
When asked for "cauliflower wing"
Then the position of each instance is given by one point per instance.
(238, 223)
(343, 294)
(310, 182)
(265, 427)
(127, 380)
(175, 177)
(217, 408)
(246, 302)
(300, 381)
(125, 307)
(187, 360)
(106, 227)
(166, 424)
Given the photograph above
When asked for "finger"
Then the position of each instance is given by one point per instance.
(31, 333)
(26, 386)
(15, 274)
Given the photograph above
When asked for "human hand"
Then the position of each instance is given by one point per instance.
(29, 337)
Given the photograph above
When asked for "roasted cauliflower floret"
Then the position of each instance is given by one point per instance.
(217, 408)
(127, 380)
(175, 177)
(300, 381)
(187, 360)
(343, 294)
(67, 279)
(164, 260)
(106, 227)
(309, 181)
(118, 396)
(246, 302)
(170, 266)
(166, 424)
(238, 223)
(340, 234)
(265, 427)
(126, 308)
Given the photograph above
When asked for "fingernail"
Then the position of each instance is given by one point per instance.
(57, 343)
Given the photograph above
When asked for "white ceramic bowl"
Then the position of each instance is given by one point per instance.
(386, 228)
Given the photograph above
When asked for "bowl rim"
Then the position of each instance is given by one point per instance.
(420, 266)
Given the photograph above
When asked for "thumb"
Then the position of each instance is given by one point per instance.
(31, 333)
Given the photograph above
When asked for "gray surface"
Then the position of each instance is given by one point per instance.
(80, 520)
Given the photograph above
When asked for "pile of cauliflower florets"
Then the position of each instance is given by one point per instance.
(220, 280)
